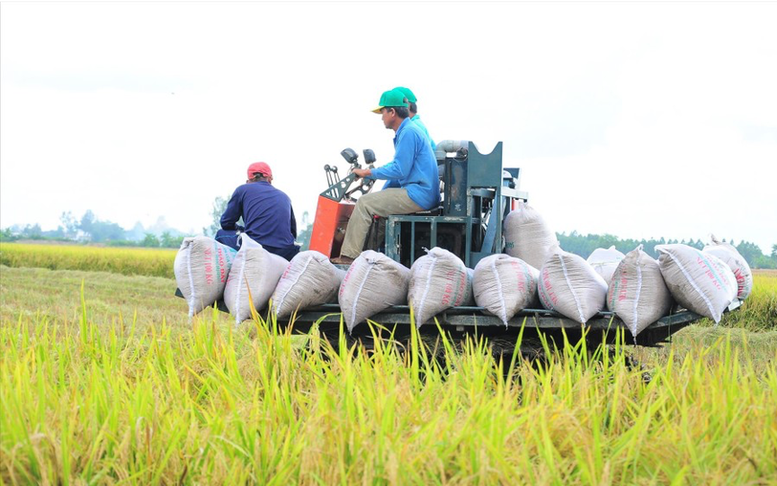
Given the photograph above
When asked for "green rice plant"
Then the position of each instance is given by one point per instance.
(759, 310)
(151, 262)
(90, 401)
(104, 380)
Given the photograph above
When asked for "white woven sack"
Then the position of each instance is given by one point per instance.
(605, 261)
(528, 236)
(699, 281)
(736, 262)
(309, 280)
(504, 285)
(438, 281)
(570, 286)
(255, 273)
(469, 296)
(373, 283)
(637, 292)
(201, 270)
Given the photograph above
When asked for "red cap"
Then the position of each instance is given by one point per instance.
(259, 167)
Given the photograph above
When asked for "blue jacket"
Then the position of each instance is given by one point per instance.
(417, 120)
(267, 214)
(414, 166)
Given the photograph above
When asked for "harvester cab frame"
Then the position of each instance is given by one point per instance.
(477, 193)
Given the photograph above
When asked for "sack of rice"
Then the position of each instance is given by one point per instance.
(438, 281)
(504, 285)
(255, 273)
(201, 269)
(571, 287)
(736, 262)
(469, 295)
(373, 283)
(699, 281)
(528, 236)
(309, 280)
(637, 292)
(605, 261)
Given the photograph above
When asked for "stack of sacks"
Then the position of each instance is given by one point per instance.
(373, 283)
(504, 285)
(699, 281)
(735, 262)
(254, 276)
(527, 236)
(571, 287)
(637, 292)
(439, 280)
(309, 280)
(201, 270)
(605, 261)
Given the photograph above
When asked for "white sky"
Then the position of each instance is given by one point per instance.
(635, 119)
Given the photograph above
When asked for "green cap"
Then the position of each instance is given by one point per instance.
(391, 98)
(408, 94)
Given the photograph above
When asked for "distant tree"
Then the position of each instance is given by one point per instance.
(69, 224)
(100, 231)
(750, 252)
(774, 251)
(218, 208)
(150, 240)
(106, 231)
(8, 235)
(136, 233)
(87, 220)
(169, 241)
(32, 232)
(303, 236)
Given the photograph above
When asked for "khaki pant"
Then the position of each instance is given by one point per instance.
(381, 203)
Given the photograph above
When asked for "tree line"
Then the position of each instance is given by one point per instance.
(90, 229)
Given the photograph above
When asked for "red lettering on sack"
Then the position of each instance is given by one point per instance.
(622, 293)
(222, 266)
(345, 279)
(462, 287)
(708, 272)
(549, 288)
(208, 266)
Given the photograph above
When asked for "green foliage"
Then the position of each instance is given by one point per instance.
(303, 236)
(7, 235)
(150, 241)
(169, 241)
(217, 209)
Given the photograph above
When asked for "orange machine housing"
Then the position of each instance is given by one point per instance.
(329, 226)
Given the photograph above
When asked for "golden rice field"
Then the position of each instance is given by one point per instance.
(103, 380)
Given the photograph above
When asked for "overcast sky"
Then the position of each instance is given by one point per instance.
(636, 119)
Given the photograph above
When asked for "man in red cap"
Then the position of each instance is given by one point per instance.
(266, 211)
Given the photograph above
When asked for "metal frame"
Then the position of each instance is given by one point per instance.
(469, 320)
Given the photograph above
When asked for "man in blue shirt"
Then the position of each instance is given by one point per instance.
(266, 211)
(412, 107)
(413, 173)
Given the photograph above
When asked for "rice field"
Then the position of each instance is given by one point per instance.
(103, 380)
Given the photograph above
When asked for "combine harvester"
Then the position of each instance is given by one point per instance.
(477, 195)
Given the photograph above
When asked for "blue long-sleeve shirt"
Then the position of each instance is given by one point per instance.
(414, 166)
(417, 120)
(267, 214)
